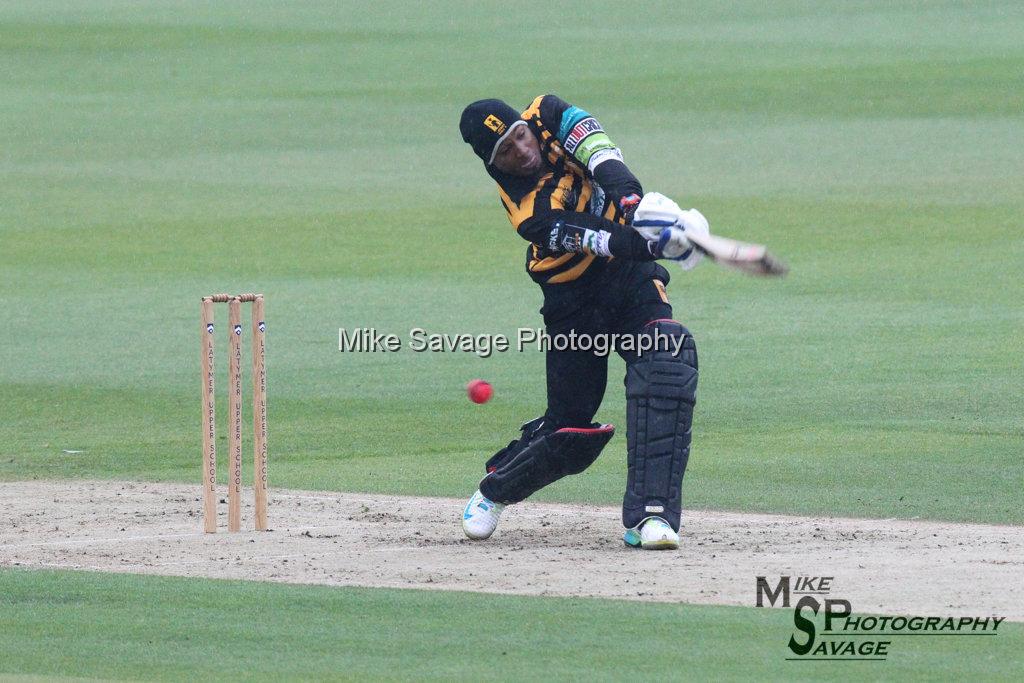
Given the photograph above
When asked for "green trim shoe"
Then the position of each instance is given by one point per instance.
(653, 533)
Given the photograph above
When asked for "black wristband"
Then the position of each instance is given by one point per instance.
(631, 245)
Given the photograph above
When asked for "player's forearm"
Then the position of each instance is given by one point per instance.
(617, 180)
(571, 232)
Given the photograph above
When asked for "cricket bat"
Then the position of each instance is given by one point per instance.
(752, 259)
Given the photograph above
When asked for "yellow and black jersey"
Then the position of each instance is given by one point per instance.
(570, 211)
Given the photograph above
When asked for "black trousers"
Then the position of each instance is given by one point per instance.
(621, 300)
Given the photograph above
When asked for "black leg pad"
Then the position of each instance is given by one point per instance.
(661, 390)
(549, 455)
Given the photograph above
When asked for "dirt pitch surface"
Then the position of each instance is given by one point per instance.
(882, 566)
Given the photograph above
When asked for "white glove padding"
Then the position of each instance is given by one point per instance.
(693, 223)
(655, 213)
(672, 244)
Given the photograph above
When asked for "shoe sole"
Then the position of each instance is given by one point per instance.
(633, 539)
(654, 545)
(477, 538)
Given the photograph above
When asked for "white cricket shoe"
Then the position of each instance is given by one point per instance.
(653, 533)
(480, 518)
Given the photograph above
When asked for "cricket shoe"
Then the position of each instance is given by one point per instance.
(480, 518)
(653, 533)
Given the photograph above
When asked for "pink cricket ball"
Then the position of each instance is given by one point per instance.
(479, 391)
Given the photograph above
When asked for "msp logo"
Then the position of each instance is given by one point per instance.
(842, 636)
(495, 124)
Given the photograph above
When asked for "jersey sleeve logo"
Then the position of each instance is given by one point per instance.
(580, 132)
(495, 124)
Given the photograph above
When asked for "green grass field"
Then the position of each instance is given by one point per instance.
(155, 152)
(118, 626)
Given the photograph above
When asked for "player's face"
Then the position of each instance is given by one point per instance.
(519, 153)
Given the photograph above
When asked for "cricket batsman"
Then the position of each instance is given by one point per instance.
(593, 239)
